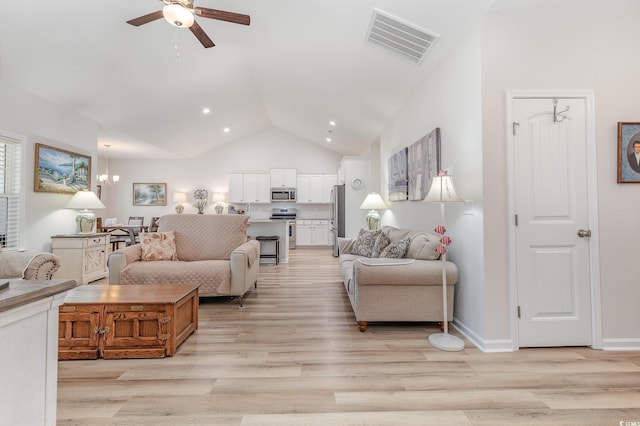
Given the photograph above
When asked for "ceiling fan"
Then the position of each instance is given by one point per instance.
(180, 13)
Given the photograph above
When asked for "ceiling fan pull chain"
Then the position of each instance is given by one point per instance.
(175, 45)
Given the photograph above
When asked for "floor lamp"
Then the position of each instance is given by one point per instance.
(442, 191)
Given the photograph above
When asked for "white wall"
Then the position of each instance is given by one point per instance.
(591, 48)
(40, 121)
(256, 153)
(449, 98)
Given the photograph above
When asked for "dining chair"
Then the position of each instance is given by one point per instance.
(154, 224)
(136, 220)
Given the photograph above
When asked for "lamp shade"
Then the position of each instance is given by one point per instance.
(373, 202)
(442, 190)
(85, 219)
(85, 200)
(177, 16)
(179, 197)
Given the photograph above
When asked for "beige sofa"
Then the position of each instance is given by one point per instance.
(397, 289)
(210, 250)
(28, 265)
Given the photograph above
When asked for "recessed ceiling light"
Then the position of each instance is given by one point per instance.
(332, 123)
(328, 139)
(226, 130)
(206, 110)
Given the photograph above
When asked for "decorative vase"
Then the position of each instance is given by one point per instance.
(219, 209)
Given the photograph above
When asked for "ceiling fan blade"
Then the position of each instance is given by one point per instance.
(222, 15)
(201, 35)
(145, 19)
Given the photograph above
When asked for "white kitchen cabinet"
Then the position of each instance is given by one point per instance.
(249, 188)
(235, 188)
(309, 189)
(283, 178)
(312, 233)
(83, 257)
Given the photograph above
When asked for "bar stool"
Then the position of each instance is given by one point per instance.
(275, 239)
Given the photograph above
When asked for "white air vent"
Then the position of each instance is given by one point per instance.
(401, 37)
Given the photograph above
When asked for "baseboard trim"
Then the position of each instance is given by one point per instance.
(488, 346)
(624, 344)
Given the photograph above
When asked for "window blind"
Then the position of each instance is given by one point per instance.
(10, 178)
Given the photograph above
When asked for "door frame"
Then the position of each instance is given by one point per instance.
(592, 204)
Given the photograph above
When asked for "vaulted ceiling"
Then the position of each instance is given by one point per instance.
(299, 65)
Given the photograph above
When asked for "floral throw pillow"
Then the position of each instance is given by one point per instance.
(158, 246)
(363, 245)
(397, 249)
(381, 242)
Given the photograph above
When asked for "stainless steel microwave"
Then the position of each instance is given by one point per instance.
(283, 195)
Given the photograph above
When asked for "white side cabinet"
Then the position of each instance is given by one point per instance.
(82, 257)
(312, 233)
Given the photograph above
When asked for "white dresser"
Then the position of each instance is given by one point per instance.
(83, 257)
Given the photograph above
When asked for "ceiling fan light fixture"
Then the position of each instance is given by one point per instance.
(178, 16)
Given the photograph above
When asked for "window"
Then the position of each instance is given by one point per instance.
(10, 178)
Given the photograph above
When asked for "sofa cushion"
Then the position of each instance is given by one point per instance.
(206, 236)
(396, 249)
(213, 276)
(158, 246)
(382, 241)
(423, 246)
(345, 245)
(364, 244)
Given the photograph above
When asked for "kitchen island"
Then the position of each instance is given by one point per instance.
(267, 228)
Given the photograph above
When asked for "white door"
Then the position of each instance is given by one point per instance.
(551, 205)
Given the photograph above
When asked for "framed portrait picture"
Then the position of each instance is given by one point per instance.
(60, 171)
(628, 152)
(149, 194)
(423, 164)
(398, 177)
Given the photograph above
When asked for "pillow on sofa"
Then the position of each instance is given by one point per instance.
(382, 241)
(158, 246)
(363, 245)
(396, 250)
(423, 246)
(345, 245)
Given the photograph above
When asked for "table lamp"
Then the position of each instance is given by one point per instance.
(442, 191)
(373, 202)
(86, 219)
(179, 197)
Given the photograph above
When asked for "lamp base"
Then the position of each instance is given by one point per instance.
(85, 222)
(179, 208)
(373, 220)
(446, 342)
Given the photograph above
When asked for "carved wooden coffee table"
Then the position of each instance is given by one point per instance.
(126, 321)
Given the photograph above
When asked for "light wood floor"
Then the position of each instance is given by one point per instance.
(294, 356)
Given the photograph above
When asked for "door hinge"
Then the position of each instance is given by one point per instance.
(519, 311)
(164, 337)
(165, 320)
(514, 126)
(516, 220)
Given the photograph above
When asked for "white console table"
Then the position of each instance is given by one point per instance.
(29, 355)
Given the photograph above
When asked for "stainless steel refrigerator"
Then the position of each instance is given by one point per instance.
(337, 215)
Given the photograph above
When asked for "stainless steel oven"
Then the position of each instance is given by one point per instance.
(288, 214)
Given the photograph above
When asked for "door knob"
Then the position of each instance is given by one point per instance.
(584, 233)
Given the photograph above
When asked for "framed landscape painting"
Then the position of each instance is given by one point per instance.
(628, 152)
(149, 194)
(61, 171)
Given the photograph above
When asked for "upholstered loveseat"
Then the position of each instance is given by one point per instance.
(28, 265)
(208, 250)
(396, 279)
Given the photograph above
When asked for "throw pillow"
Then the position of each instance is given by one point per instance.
(363, 246)
(158, 246)
(381, 242)
(396, 250)
(345, 245)
(423, 246)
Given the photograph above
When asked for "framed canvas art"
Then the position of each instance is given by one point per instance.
(398, 177)
(423, 164)
(149, 194)
(628, 152)
(61, 171)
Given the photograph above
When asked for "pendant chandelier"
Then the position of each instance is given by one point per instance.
(105, 179)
